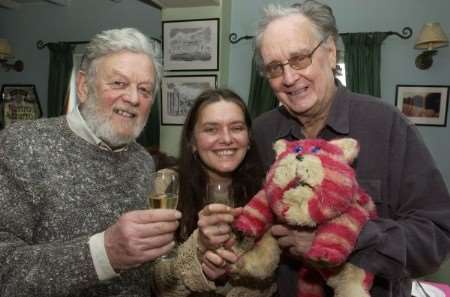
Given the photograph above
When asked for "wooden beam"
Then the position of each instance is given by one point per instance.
(11, 4)
(59, 2)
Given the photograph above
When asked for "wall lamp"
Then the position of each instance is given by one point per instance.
(5, 54)
(430, 38)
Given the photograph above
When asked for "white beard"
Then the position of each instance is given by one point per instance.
(101, 125)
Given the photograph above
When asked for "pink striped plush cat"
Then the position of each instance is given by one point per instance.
(311, 184)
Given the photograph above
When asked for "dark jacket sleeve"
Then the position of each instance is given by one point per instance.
(412, 236)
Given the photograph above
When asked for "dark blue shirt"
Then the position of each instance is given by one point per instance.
(412, 235)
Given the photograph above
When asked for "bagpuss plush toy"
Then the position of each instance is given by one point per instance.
(311, 184)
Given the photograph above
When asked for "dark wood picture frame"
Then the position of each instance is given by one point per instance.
(191, 45)
(18, 102)
(424, 105)
(178, 93)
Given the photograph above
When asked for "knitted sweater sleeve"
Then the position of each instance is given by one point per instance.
(182, 275)
(30, 268)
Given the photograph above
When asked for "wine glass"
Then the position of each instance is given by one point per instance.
(164, 189)
(164, 194)
(219, 192)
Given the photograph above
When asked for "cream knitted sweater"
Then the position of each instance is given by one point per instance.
(182, 276)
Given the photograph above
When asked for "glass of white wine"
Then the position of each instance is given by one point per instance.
(219, 192)
(164, 189)
(164, 194)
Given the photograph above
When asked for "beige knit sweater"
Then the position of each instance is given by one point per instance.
(182, 275)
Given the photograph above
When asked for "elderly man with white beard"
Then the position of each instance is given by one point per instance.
(74, 219)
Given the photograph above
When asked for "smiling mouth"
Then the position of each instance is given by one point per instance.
(124, 113)
(225, 153)
(300, 92)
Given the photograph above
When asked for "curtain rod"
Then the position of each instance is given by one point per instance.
(406, 33)
(41, 44)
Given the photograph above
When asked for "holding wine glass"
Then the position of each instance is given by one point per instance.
(164, 189)
(164, 194)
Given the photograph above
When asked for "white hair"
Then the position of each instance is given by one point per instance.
(117, 40)
(320, 15)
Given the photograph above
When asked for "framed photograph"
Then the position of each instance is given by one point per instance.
(423, 105)
(191, 45)
(18, 102)
(178, 94)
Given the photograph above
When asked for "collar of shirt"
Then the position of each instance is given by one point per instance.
(79, 126)
(338, 119)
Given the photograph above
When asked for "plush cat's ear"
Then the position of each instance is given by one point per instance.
(280, 146)
(349, 147)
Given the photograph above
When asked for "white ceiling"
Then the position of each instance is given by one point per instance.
(14, 4)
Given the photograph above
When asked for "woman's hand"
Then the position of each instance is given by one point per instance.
(214, 225)
(215, 264)
(215, 238)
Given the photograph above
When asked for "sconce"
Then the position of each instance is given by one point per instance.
(5, 54)
(431, 37)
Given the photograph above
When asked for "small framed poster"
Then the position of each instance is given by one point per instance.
(423, 105)
(19, 102)
(178, 94)
(190, 45)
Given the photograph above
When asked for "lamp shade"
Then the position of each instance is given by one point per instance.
(5, 49)
(431, 36)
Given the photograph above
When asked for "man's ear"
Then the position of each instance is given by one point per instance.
(82, 86)
(332, 52)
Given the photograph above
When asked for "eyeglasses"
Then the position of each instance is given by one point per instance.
(297, 62)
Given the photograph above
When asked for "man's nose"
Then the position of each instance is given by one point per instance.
(290, 75)
(131, 95)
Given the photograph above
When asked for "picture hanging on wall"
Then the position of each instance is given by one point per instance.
(178, 95)
(190, 45)
(18, 102)
(423, 105)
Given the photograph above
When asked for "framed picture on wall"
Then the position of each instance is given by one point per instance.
(178, 94)
(190, 45)
(423, 105)
(18, 102)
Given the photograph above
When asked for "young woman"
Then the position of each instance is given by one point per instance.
(216, 145)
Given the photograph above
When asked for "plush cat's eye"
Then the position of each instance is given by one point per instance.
(315, 149)
(298, 149)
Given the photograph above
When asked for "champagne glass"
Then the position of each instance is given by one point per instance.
(164, 194)
(164, 189)
(219, 192)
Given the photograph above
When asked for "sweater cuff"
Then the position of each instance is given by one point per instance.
(188, 267)
(100, 258)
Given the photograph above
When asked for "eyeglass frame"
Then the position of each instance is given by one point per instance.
(308, 57)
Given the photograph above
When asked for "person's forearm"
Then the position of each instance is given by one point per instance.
(412, 246)
(51, 269)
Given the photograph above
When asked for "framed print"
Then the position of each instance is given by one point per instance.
(423, 105)
(191, 45)
(19, 102)
(178, 94)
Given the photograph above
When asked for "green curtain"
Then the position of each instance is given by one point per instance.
(261, 97)
(150, 135)
(61, 62)
(362, 61)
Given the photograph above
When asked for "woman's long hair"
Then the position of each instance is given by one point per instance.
(246, 179)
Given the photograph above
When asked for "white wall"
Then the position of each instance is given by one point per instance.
(397, 61)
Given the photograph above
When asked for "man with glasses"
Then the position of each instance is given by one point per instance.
(74, 217)
(297, 52)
